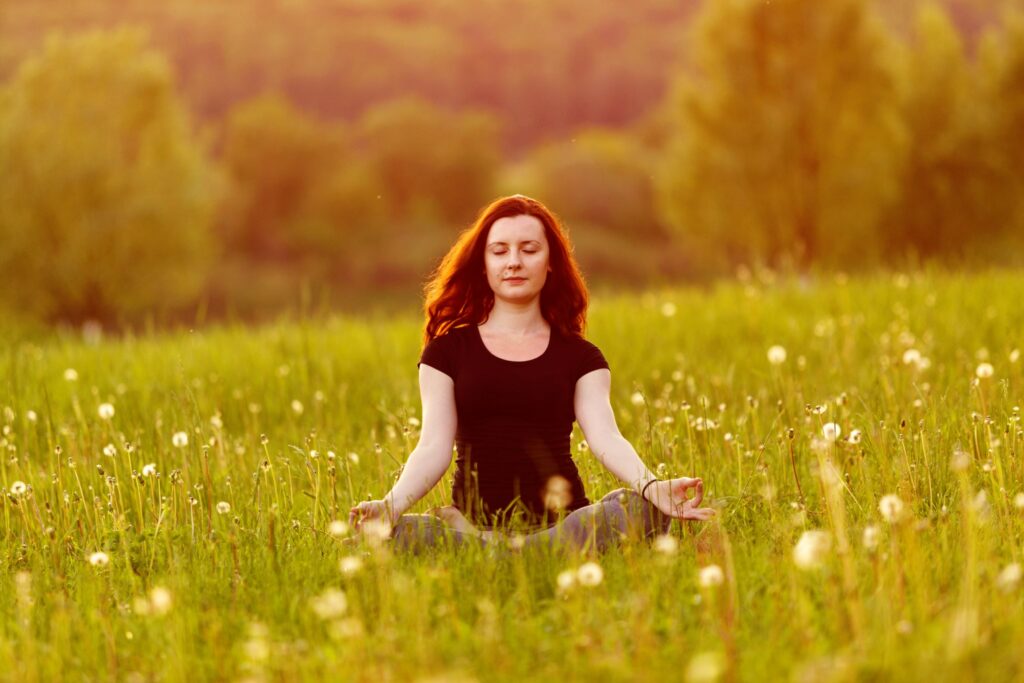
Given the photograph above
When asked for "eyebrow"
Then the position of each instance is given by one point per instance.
(505, 244)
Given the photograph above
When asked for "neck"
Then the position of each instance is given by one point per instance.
(516, 318)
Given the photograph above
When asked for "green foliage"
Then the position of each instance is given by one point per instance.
(602, 178)
(953, 177)
(429, 159)
(790, 137)
(106, 200)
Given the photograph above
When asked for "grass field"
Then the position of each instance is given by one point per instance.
(168, 500)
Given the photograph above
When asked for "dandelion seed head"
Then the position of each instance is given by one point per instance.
(831, 431)
(705, 667)
(776, 355)
(666, 544)
(160, 600)
(1018, 501)
(337, 527)
(179, 440)
(557, 493)
(330, 604)
(1009, 578)
(99, 559)
(216, 422)
(566, 579)
(105, 411)
(223, 507)
(855, 436)
(31, 416)
(1014, 355)
(350, 564)
(18, 489)
(71, 375)
(812, 549)
(710, 576)
(636, 398)
(891, 508)
(984, 370)
(911, 357)
(297, 407)
(376, 530)
(590, 574)
(110, 450)
(149, 469)
(870, 538)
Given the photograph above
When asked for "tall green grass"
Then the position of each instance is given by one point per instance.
(212, 488)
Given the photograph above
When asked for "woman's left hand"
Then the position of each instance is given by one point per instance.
(671, 496)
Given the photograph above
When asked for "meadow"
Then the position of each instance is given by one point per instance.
(174, 503)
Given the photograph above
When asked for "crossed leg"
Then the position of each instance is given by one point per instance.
(618, 516)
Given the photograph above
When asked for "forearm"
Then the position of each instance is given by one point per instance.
(421, 472)
(622, 460)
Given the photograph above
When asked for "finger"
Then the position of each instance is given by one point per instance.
(699, 495)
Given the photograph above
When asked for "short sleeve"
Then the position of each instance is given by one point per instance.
(590, 359)
(437, 354)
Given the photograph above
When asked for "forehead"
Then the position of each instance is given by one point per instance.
(515, 229)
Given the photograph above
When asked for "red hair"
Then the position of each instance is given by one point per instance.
(458, 293)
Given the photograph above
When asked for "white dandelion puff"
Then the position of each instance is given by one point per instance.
(1018, 501)
(855, 436)
(337, 527)
(223, 507)
(891, 508)
(18, 489)
(705, 667)
(984, 370)
(831, 431)
(350, 565)
(811, 549)
(179, 440)
(776, 355)
(870, 538)
(31, 416)
(330, 604)
(911, 357)
(105, 411)
(637, 398)
(110, 450)
(160, 600)
(666, 544)
(149, 469)
(590, 574)
(297, 407)
(566, 579)
(710, 576)
(71, 375)
(1009, 577)
(99, 559)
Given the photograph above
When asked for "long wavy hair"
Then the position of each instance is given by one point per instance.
(458, 293)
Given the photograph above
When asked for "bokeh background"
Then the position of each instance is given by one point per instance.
(186, 161)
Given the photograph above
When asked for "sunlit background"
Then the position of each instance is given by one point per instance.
(186, 161)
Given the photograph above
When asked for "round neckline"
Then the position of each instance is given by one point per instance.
(480, 338)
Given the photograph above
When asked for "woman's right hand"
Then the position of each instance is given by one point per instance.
(369, 509)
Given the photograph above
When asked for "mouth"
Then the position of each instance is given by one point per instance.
(515, 280)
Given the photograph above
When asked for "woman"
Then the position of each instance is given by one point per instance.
(504, 372)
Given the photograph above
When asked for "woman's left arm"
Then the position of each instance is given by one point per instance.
(592, 402)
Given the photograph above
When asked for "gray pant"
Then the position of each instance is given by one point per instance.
(620, 515)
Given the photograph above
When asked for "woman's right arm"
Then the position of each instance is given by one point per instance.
(433, 453)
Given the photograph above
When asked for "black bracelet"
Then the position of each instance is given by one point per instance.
(644, 489)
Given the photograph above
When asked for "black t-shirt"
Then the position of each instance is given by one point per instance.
(514, 422)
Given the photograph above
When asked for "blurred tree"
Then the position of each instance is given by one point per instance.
(953, 192)
(105, 202)
(790, 139)
(432, 163)
(274, 155)
(1002, 78)
(601, 178)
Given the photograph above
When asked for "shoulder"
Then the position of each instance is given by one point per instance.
(443, 352)
(585, 355)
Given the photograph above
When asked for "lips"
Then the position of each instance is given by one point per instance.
(515, 280)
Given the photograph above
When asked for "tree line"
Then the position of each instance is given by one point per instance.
(793, 132)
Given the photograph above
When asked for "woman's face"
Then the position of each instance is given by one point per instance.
(516, 258)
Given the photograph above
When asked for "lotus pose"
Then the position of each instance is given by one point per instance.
(504, 372)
